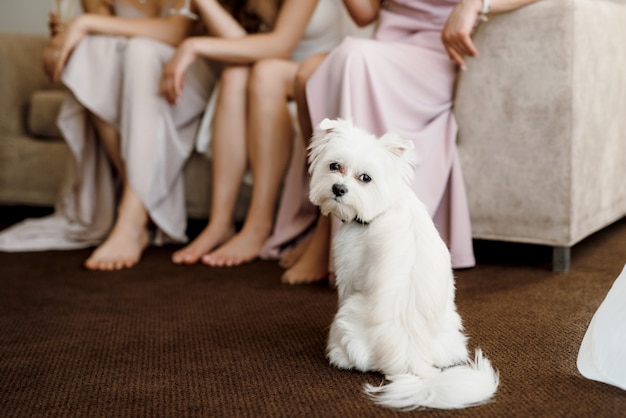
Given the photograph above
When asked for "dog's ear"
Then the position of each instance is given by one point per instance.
(403, 151)
(326, 131)
(396, 145)
(319, 140)
(329, 124)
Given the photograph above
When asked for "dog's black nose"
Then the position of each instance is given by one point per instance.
(339, 189)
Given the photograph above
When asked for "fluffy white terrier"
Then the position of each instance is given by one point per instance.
(395, 284)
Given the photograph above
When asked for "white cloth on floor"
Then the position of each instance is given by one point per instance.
(603, 350)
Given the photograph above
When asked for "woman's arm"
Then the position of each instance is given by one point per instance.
(172, 30)
(363, 12)
(291, 23)
(501, 6)
(219, 21)
(456, 34)
(103, 7)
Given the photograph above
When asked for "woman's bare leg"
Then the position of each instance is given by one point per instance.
(305, 71)
(309, 261)
(229, 165)
(270, 136)
(129, 237)
(291, 255)
(110, 139)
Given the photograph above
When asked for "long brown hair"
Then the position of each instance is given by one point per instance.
(251, 22)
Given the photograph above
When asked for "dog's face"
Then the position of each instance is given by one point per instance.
(354, 175)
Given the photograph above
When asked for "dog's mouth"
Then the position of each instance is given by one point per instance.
(338, 206)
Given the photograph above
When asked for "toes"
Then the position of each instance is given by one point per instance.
(190, 258)
(109, 265)
(285, 279)
(213, 261)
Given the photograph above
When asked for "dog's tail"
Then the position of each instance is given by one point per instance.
(456, 387)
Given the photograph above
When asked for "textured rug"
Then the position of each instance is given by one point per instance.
(172, 341)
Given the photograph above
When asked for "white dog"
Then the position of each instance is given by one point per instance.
(396, 311)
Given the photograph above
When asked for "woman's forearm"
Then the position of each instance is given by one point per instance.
(240, 51)
(218, 20)
(500, 6)
(171, 30)
(96, 6)
(288, 30)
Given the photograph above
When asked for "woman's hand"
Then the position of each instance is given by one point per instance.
(51, 55)
(49, 59)
(55, 24)
(172, 80)
(62, 45)
(456, 34)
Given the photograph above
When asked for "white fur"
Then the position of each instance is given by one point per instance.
(396, 313)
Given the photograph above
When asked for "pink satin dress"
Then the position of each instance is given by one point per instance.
(402, 80)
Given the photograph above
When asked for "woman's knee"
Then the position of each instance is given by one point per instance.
(306, 70)
(143, 65)
(234, 79)
(141, 51)
(271, 77)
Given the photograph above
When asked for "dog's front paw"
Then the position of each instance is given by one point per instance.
(338, 358)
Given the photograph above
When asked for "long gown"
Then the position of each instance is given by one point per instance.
(117, 79)
(402, 80)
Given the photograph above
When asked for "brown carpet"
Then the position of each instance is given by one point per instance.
(170, 341)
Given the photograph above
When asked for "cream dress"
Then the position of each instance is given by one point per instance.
(117, 79)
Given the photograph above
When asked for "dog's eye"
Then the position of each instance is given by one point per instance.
(365, 178)
(334, 167)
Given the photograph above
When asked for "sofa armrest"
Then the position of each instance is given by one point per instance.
(541, 122)
(21, 74)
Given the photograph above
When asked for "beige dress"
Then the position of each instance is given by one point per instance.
(117, 79)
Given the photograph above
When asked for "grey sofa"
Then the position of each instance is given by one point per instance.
(542, 118)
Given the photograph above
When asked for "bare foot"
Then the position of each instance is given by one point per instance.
(311, 267)
(291, 255)
(303, 273)
(212, 236)
(242, 248)
(122, 249)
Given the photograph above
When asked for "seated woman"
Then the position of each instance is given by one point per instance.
(401, 81)
(252, 124)
(111, 59)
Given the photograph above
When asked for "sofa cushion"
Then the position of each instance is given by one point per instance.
(43, 111)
